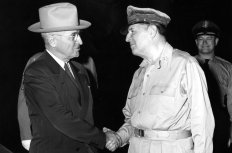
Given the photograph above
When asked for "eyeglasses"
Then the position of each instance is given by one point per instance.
(73, 36)
(205, 39)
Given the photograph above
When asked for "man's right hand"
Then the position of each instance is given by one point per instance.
(112, 141)
(26, 144)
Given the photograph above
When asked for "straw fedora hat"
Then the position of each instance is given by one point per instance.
(58, 17)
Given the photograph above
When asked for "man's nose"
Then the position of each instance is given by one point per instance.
(128, 36)
(78, 39)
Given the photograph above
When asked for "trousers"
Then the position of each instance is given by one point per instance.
(144, 145)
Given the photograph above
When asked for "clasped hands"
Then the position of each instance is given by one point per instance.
(113, 140)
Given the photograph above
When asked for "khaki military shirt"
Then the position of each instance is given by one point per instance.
(222, 71)
(169, 95)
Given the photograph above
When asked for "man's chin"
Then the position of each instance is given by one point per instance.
(205, 51)
(137, 54)
(134, 53)
(77, 54)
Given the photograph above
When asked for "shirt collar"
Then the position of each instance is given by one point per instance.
(202, 60)
(59, 61)
(164, 59)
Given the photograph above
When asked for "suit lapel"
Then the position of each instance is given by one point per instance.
(62, 75)
(74, 80)
(81, 79)
(80, 82)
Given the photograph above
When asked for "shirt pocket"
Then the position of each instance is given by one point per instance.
(134, 93)
(161, 100)
(135, 89)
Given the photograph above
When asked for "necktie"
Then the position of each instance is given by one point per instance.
(67, 70)
(212, 83)
(206, 65)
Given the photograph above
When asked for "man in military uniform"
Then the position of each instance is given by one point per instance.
(167, 109)
(219, 79)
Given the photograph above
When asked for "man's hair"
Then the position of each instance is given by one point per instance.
(45, 38)
(161, 29)
(44, 35)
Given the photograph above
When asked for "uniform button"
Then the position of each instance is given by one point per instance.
(144, 93)
(139, 112)
(148, 75)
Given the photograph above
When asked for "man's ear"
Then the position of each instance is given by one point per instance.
(216, 40)
(153, 30)
(196, 40)
(52, 42)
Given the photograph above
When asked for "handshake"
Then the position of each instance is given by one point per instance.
(113, 140)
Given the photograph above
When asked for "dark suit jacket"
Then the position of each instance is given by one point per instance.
(60, 108)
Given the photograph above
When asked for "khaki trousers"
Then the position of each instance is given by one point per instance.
(143, 145)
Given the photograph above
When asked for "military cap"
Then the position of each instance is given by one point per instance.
(145, 15)
(205, 27)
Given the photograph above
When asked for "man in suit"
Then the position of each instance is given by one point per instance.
(23, 116)
(57, 89)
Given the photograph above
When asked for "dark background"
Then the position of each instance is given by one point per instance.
(114, 61)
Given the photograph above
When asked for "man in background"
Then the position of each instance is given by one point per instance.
(218, 74)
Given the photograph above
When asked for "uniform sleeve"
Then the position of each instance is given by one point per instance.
(229, 94)
(229, 100)
(126, 130)
(202, 120)
(41, 93)
(23, 116)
